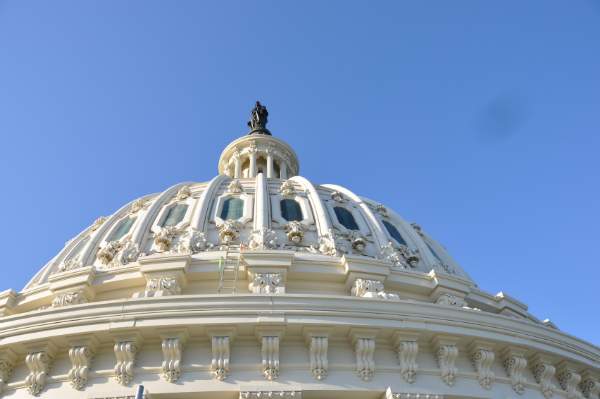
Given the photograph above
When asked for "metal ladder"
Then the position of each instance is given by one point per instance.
(228, 273)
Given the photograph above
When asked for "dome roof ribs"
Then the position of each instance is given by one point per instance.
(200, 215)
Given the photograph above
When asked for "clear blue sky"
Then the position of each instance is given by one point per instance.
(479, 120)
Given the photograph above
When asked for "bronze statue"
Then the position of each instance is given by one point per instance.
(258, 120)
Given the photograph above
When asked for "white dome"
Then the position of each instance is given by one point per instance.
(261, 284)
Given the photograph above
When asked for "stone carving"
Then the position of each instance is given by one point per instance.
(97, 223)
(129, 253)
(515, 364)
(371, 289)
(69, 298)
(569, 381)
(358, 242)
(125, 352)
(270, 395)
(258, 120)
(287, 189)
(295, 232)
(327, 245)
(267, 283)
(81, 357)
(365, 365)
(183, 193)
(137, 205)
(164, 238)
(400, 255)
(229, 231)
(483, 359)
(193, 241)
(235, 187)
(451, 300)
(171, 364)
(446, 357)
(407, 357)
(337, 196)
(38, 364)
(263, 239)
(543, 373)
(270, 357)
(220, 357)
(382, 210)
(589, 387)
(70, 263)
(318, 357)
(162, 286)
(6, 368)
(108, 252)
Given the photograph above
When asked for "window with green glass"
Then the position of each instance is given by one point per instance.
(233, 208)
(290, 210)
(122, 229)
(394, 232)
(174, 215)
(345, 217)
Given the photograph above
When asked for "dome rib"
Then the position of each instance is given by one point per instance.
(321, 220)
(200, 216)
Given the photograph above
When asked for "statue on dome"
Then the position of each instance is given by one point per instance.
(258, 120)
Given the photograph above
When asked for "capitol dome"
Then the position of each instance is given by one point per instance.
(263, 284)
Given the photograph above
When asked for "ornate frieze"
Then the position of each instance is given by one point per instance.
(589, 386)
(184, 193)
(162, 286)
(318, 356)
(263, 239)
(270, 395)
(295, 232)
(287, 189)
(69, 298)
(38, 363)
(220, 356)
(371, 289)
(364, 348)
(125, 352)
(229, 231)
(270, 357)
(483, 358)
(7, 363)
(235, 187)
(267, 283)
(399, 255)
(451, 300)
(193, 241)
(407, 350)
(171, 364)
(569, 380)
(515, 364)
(81, 358)
(164, 238)
(446, 354)
(543, 372)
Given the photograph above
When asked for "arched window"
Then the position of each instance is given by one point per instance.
(394, 232)
(122, 229)
(344, 216)
(290, 210)
(174, 215)
(233, 208)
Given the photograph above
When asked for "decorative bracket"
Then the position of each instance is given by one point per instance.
(38, 360)
(7, 361)
(515, 363)
(482, 356)
(364, 348)
(221, 350)
(407, 347)
(81, 354)
(543, 372)
(172, 349)
(318, 343)
(569, 380)
(446, 353)
(269, 340)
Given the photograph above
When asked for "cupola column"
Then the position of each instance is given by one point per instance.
(283, 170)
(269, 164)
(252, 171)
(238, 168)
